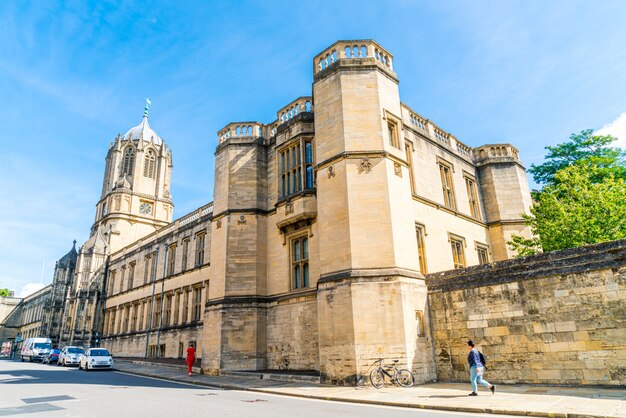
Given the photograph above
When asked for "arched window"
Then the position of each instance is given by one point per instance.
(129, 162)
(148, 164)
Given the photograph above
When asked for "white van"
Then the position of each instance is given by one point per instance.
(35, 349)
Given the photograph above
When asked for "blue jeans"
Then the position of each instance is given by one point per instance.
(477, 378)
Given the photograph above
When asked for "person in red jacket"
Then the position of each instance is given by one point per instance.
(191, 358)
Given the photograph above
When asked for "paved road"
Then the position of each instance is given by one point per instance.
(41, 390)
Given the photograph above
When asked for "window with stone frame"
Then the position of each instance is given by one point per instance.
(122, 278)
(185, 306)
(457, 245)
(185, 254)
(156, 312)
(472, 195)
(420, 232)
(447, 185)
(300, 262)
(176, 308)
(131, 275)
(200, 241)
(167, 311)
(133, 318)
(112, 324)
(197, 303)
(149, 163)
(146, 269)
(296, 167)
(171, 261)
(153, 267)
(408, 149)
(112, 282)
(482, 251)
(142, 311)
(128, 162)
(126, 311)
(392, 134)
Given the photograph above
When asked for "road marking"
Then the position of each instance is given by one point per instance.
(29, 409)
(47, 399)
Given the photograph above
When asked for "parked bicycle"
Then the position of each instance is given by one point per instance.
(403, 377)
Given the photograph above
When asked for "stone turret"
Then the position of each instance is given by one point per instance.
(505, 192)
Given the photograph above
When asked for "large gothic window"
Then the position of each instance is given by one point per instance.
(129, 162)
(148, 165)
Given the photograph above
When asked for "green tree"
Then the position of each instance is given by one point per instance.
(584, 198)
(583, 148)
(5, 292)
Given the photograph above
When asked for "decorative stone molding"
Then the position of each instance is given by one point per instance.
(242, 220)
(397, 169)
(218, 224)
(288, 208)
(331, 171)
(365, 165)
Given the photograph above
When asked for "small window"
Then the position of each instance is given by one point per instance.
(200, 239)
(296, 169)
(185, 306)
(183, 266)
(112, 282)
(420, 231)
(458, 255)
(483, 253)
(131, 275)
(300, 262)
(171, 262)
(472, 195)
(197, 303)
(392, 131)
(167, 314)
(408, 149)
(447, 186)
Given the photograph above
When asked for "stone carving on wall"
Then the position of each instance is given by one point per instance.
(365, 165)
(242, 220)
(218, 224)
(288, 208)
(331, 171)
(397, 169)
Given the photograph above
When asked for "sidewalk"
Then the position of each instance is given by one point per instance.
(538, 401)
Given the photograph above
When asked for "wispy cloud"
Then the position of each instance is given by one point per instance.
(616, 128)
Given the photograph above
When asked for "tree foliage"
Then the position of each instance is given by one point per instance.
(584, 198)
(5, 292)
(583, 148)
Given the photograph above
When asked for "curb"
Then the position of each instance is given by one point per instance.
(372, 402)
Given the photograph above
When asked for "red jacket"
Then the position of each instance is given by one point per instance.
(191, 355)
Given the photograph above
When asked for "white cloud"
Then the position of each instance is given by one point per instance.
(29, 289)
(617, 128)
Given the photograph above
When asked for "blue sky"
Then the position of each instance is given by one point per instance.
(74, 74)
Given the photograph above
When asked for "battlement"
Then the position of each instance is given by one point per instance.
(240, 130)
(367, 51)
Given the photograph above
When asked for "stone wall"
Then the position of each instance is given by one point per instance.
(554, 318)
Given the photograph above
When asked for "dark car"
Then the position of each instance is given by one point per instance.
(53, 357)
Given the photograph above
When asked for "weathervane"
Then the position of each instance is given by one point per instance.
(145, 109)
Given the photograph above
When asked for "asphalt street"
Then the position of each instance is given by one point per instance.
(33, 389)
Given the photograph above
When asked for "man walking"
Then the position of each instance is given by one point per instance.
(477, 369)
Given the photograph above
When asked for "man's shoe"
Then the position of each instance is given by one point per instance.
(473, 394)
(493, 389)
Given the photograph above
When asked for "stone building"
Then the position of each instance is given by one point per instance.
(324, 222)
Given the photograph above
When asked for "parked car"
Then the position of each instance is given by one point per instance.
(53, 357)
(96, 358)
(35, 349)
(70, 356)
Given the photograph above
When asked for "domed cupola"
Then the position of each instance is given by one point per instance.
(143, 130)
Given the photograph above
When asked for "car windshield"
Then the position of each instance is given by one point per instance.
(99, 353)
(75, 350)
(43, 345)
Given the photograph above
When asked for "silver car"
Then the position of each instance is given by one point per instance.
(70, 356)
(96, 358)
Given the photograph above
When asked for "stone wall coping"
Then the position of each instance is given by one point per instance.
(610, 254)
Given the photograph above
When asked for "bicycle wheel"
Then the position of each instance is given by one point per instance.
(377, 378)
(405, 378)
